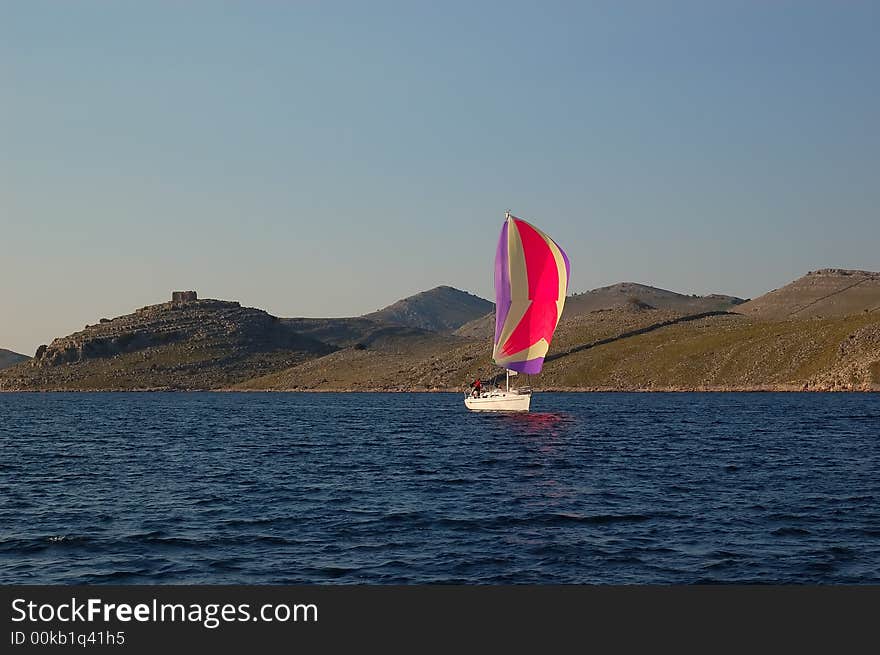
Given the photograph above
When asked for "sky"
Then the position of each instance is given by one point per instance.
(328, 158)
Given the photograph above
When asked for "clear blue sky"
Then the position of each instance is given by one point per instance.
(328, 158)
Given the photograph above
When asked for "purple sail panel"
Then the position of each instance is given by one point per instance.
(567, 266)
(502, 282)
(529, 367)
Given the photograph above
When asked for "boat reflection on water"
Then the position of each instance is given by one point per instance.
(532, 424)
(543, 447)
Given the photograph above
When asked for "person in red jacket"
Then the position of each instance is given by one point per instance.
(478, 387)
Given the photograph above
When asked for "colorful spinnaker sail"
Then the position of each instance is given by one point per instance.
(531, 280)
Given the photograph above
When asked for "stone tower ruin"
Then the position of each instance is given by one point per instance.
(183, 296)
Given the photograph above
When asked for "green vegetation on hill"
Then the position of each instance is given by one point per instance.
(729, 351)
(400, 362)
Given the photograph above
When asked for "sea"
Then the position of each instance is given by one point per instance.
(410, 488)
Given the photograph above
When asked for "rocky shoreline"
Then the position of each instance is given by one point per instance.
(764, 388)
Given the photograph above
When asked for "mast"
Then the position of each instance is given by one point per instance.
(507, 370)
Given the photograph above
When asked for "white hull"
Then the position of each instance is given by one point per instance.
(499, 401)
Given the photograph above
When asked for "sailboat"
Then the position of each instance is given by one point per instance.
(531, 281)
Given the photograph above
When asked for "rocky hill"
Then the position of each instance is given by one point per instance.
(9, 358)
(823, 293)
(624, 349)
(442, 309)
(213, 344)
(200, 344)
(424, 362)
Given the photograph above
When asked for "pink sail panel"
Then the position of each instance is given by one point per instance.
(531, 281)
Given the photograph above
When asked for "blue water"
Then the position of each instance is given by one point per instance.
(411, 488)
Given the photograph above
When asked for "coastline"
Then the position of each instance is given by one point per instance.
(768, 388)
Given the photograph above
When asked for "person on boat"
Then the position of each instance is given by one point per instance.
(478, 387)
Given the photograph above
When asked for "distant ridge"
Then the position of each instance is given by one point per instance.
(827, 292)
(441, 309)
(347, 332)
(623, 295)
(632, 293)
(9, 358)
